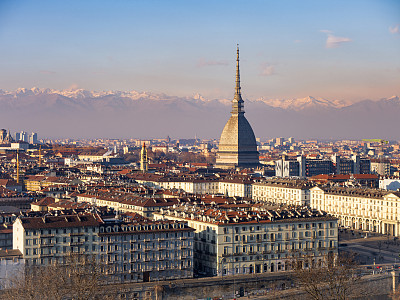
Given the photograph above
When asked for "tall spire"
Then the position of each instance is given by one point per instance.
(237, 89)
(237, 103)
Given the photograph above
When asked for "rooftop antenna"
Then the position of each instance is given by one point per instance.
(40, 156)
(17, 166)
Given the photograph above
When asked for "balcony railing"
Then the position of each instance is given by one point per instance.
(46, 255)
(46, 235)
(76, 243)
(76, 234)
(46, 245)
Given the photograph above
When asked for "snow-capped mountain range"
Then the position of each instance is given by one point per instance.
(303, 103)
(82, 113)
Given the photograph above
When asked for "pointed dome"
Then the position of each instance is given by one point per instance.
(237, 145)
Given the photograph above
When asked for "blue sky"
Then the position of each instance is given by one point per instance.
(347, 50)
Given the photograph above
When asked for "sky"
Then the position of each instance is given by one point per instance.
(334, 49)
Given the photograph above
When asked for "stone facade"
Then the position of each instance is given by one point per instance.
(237, 145)
(363, 209)
(133, 249)
(228, 242)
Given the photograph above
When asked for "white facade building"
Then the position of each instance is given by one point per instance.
(364, 209)
(389, 184)
(290, 192)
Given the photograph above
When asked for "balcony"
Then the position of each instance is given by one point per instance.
(46, 255)
(76, 243)
(46, 245)
(46, 235)
(76, 234)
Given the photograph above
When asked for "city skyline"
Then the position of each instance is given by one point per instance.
(332, 49)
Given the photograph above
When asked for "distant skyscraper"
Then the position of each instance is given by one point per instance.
(33, 138)
(21, 136)
(237, 145)
(279, 141)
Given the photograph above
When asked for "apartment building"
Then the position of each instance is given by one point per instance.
(232, 187)
(237, 185)
(363, 209)
(190, 185)
(307, 167)
(38, 182)
(6, 232)
(130, 247)
(125, 201)
(11, 264)
(380, 167)
(228, 241)
(282, 191)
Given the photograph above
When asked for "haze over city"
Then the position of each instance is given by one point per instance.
(338, 51)
(199, 149)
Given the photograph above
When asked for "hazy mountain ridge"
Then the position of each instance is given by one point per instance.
(303, 103)
(80, 113)
(292, 104)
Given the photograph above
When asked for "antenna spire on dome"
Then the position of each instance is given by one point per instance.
(237, 72)
(237, 103)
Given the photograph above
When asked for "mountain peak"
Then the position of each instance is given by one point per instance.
(298, 104)
(197, 96)
(393, 98)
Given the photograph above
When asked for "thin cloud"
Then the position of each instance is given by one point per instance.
(47, 72)
(297, 41)
(204, 63)
(395, 29)
(267, 69)
(333, 41)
